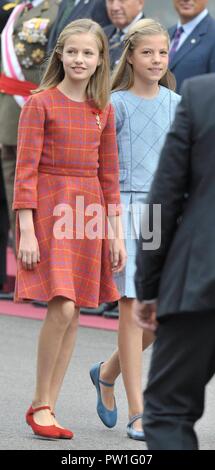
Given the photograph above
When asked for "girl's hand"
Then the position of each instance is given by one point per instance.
(29, 253)
(118, 256)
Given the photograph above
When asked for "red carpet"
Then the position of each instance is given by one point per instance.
(26, 310)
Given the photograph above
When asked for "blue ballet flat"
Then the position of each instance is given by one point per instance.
(108, 417)
(133, 433)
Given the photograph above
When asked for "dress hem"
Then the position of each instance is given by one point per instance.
(79, 304)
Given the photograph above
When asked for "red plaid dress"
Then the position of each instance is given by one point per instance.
(64, 154)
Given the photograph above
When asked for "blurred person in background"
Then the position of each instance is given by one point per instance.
(192, 49)
(4, 229)
(5, 11)
(23, 44)
(71, 10)
(122, 14)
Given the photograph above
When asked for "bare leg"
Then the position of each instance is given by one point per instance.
(130, 356)
(128, 359)
(63, 361)
(109, 372)
(59, 316)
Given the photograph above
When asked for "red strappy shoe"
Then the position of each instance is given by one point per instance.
(43, 431)
(64, 433)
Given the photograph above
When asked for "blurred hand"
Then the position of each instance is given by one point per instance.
(145, 315)
(118, 256)
(28, 253)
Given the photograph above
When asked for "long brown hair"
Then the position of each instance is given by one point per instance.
(123, 75)
(98, 87)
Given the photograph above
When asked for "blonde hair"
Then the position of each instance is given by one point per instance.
(98, 87)
(123, 75)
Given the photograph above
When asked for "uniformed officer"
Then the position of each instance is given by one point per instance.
(6, 9)
(23, 49)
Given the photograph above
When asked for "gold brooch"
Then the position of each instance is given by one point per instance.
(98, 121)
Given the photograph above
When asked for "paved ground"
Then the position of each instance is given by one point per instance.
(18, 338)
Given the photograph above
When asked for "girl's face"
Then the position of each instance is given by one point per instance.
(80, 56)
(150, 58)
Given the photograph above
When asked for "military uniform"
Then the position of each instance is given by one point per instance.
(4, 228)
(5, 11)
(30, 38)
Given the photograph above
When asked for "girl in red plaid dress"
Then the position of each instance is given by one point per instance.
(67, 169)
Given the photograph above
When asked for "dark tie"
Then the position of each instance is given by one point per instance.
(175, 43)
(116, 39)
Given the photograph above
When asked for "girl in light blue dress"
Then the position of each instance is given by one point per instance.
(145, 103)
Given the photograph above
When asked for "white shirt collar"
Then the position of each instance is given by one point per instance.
(36, 3)
(138, 17)
(191, 25)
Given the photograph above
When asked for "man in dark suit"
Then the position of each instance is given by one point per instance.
(192, 50)
(71, 10)
(180, 274)
(122, 14)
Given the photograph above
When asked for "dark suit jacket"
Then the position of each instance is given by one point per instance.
(197, 55)
(115, 53)
(4, 14)
(94, 9)
(181, 273)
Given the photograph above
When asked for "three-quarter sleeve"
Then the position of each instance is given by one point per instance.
(108, 171)
(29, 150)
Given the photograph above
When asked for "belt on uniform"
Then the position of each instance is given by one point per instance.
(68, 171)
(13, 86)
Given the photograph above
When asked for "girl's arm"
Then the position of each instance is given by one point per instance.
(28, 252)
(118, 256)
(116, 228)
(108, 174)
(29, 150)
